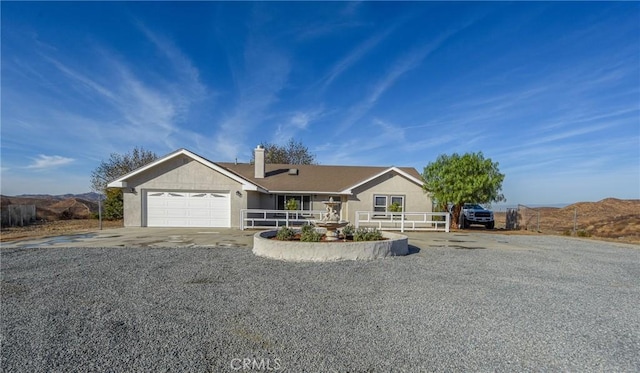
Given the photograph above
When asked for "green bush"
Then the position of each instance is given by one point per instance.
(367, 234)
(292, 204)
(583, 233)
(395, 207)
(348, 230)
(113, 205)
(285, 234)
(310, 235)
(306, 228)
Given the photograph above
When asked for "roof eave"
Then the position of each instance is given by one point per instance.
(396, 169)
(334, 192)
(246, 184)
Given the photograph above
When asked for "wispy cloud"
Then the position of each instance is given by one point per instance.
(405, 63)
(352, 58)
(82, 78)
(181, 64)
(374, 151)
(259, 79)
(294, 123)
(49, 161)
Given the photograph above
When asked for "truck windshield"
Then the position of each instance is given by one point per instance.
(472, 206)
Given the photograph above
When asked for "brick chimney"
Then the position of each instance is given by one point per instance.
(259, 162)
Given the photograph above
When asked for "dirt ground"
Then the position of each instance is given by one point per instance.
(55, 228)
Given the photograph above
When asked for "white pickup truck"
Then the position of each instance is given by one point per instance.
(472, 213)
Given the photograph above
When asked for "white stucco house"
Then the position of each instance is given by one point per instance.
(183, 189)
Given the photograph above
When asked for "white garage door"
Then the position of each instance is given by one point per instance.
(187, 209)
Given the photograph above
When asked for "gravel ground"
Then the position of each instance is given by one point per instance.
(543, 303)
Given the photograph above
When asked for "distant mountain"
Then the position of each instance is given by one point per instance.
(89, 196)
(71, 206)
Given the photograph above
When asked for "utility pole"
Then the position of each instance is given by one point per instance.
(100, 209)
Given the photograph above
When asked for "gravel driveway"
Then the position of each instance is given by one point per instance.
(535, 303)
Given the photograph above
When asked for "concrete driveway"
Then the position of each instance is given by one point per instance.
(217, 237)
(144, 237)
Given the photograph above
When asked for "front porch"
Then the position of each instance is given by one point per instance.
(388, 221)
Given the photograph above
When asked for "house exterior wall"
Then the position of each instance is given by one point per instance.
(362, 199)
(180, 174)
(391, 183)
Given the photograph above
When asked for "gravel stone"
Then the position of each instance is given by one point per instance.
(532, 304)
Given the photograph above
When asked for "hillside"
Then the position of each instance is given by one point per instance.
(89, 196)
(52, 208)
(609, 218)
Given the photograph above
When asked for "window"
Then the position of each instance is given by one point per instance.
(399, 200)
(304, 202)
(381, 203)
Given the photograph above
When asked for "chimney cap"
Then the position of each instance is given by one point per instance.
(260, 146)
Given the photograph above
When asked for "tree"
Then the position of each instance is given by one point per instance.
(113, 205)
(111, 169)
(292, 153)
(460, 179)
(118, 165)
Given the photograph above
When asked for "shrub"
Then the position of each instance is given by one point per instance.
(306, 228)
(583, 233)
(367, 234)
(395, 207)
(66, 215)
(310, 235)
(348, 230)
(285, 234)
(374, 235)
(292, 204)
(113, 205)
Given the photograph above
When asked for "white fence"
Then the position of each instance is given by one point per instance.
(403, 221)
(390, 221)
(259, 219)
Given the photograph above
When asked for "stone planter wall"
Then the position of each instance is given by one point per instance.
(263, 245)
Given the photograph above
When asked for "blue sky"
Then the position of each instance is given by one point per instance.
(551, 91)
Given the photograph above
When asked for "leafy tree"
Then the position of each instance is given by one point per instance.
(118, 165)
(292, 153)
(460, 179)
(111, 169)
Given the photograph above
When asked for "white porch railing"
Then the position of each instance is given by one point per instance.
(403, 221)
(258, 219)
(389, 221)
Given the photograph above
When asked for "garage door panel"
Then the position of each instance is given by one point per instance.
(200, 213)
(188, 209)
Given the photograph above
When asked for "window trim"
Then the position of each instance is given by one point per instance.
(298, 197)
(388, 201)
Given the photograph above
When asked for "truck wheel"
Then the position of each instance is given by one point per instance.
(490, 225)
(465, 223)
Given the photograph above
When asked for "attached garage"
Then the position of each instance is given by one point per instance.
(188, 209)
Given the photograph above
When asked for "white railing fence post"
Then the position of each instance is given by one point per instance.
(447, 222)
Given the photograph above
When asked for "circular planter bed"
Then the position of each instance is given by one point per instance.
(393, 244)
